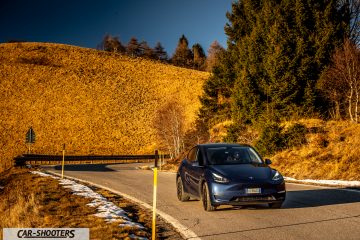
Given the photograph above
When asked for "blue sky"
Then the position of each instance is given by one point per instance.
(84, 23)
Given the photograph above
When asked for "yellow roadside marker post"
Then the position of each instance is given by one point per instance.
(153, 236)
(63, 162)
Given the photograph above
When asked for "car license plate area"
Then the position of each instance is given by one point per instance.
(253, 199)
(252, 190)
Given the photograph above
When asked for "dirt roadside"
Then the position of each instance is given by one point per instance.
(29, 200)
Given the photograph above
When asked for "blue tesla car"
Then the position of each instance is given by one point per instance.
(228, 174)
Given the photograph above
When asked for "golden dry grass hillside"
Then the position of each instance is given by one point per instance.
(332, 152)
(93, 101)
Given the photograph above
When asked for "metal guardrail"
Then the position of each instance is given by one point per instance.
(40, 159)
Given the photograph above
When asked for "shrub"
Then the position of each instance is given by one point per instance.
(233, 133)
(271, 139)
(295, 135)
(42, 60)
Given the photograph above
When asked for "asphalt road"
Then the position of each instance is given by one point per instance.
(309, 212)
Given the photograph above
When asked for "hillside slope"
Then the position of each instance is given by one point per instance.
(332, 152)
(93, 101)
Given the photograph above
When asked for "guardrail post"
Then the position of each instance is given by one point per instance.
(156, 158)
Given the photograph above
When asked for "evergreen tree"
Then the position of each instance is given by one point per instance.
(160, 53)
(245, 54)
(183, 56)
(276, 53)
(133, 48)
(199, 57)
(215, 102)
(146, 51)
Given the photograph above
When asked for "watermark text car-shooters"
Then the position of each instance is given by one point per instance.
(46, 233)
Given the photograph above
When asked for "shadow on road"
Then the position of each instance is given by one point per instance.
(86, 167)
(319, 197)
(308, 198)
(279, 226)
(300, 199)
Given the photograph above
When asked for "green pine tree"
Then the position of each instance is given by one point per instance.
(160, 53)
(183, 56)
(133, 48)
(276, 53)
(199, 57)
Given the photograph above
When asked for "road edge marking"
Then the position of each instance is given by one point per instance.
(184, 231)
(325, 187)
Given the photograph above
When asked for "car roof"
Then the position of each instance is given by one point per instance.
(207, 145)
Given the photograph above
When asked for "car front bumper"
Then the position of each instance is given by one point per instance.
(235, 193)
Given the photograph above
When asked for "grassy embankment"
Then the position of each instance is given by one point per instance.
(331, 152)
(93, 101)
(28, 200)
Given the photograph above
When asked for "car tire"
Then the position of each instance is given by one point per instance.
(275, 205)
(205, 197)
(181, 195)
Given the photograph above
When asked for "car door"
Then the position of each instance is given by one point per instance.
(194, 171)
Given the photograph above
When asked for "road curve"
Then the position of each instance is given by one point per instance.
(309, 212)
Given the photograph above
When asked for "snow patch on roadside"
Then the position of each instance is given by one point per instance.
(105, 208)
(44, 174)
(132, 236)
(327, 182)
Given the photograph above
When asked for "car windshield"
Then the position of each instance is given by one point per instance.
(232, 155)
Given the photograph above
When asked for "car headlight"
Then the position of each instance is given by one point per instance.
(218, 178)
(277, 176)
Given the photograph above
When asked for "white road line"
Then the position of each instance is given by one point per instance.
(185, 232)
(324, 187)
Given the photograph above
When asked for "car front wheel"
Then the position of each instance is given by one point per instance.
(182, 196)
(206, 199)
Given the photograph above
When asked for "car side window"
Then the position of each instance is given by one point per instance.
(254, 157)
(192, 155)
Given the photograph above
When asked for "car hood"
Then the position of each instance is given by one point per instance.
(243, 172)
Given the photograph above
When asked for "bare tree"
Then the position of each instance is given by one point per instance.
(169, 124)
(111, 44)
(215, 52)
(343, 77)
(334, 89)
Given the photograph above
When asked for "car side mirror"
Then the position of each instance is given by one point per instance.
(196, 164)
(268, 161)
